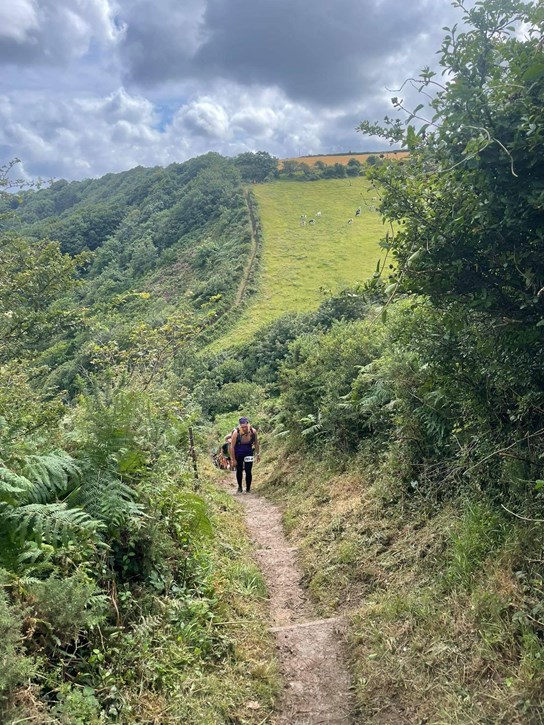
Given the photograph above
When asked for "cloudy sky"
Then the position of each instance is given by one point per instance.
(93, 86)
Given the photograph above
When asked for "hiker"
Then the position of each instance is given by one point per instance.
(216, 458)
(225, 451)
(244, 448)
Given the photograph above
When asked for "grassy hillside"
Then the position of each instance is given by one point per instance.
(299, 261)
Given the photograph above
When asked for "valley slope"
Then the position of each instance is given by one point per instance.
(300, 260)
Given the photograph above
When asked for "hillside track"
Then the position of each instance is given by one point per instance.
(246, 275)
(311, 651)
(253, 253)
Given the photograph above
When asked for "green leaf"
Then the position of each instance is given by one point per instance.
(411, 138)
(414, 256)
(415, 112)
(534, 72)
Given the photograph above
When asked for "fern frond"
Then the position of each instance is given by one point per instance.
(33, 554)
(190, 515)
(12, 486)
(147, 626)
(53, 523)
(313, 430)
(51, 475)
(105, 498)
(315, 426)
(10, 579)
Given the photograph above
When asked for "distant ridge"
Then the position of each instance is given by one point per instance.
(345, 157)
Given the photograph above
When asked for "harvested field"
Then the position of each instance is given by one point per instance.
(330, 160)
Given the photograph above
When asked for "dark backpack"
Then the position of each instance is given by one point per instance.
(239, 436)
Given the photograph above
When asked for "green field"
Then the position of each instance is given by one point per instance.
(298, 262)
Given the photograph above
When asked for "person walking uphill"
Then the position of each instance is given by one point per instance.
(244, 448)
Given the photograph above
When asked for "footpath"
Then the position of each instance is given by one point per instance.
(311, 653)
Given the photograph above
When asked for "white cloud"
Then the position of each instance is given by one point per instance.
(90, 136)
(255, 122)
(120, 105)
(18, 19)
(83, 136)
(234, 119)
(204, 117)
(55, 31)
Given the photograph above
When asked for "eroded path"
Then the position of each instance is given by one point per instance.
(317, 684)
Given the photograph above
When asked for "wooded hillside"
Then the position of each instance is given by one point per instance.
(118, 567)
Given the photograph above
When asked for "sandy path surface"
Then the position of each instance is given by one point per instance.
(317, 683)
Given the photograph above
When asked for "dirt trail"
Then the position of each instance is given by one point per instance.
(253, 253)
(317, 684)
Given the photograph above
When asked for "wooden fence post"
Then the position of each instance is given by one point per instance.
(193, 456)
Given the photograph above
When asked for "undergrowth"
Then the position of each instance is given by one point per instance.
(193, 654)
(443, 598)
(217, 666)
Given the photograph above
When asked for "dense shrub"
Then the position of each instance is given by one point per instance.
(440, 396)
(16, 667)
(64, 608)
(315, 379)
(236, 396)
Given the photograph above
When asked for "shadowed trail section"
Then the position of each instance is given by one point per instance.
(317, 683)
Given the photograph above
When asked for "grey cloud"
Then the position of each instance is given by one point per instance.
(319, 51)
(160, 40)
(342, 135)
(314, 51)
